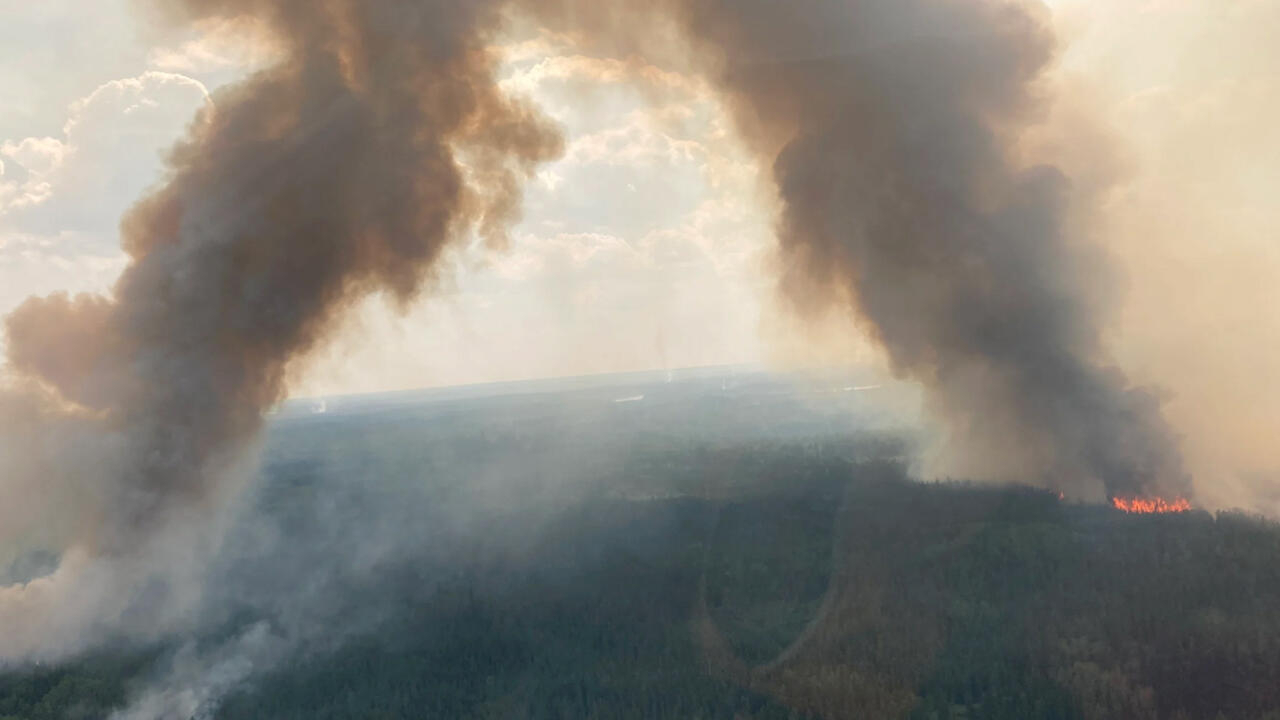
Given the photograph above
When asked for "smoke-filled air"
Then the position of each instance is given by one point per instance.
(927, 172)
(342, 170)
(892, 131)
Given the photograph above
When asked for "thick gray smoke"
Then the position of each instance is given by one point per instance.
(892, 130)
(344, 169)
(890, 127)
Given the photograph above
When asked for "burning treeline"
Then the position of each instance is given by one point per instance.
(1146, 506)
(381, 136)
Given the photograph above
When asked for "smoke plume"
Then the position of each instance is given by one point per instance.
(892, 132)
(343, 169)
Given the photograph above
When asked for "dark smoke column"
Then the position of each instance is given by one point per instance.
(342, 170)
(888, 124)
(326, 177)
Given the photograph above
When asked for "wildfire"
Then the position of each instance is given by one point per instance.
(1151, 505)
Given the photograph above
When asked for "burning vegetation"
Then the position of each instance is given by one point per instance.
(1151, 505)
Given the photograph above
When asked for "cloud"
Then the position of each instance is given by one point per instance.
(23, 182)
(61, 196)
(215, 45)
(583, 69)
(644, 139)
(536, 254)
(109, 151)
(57, 50)
(652, 224)
(38, 155)
(37, 265)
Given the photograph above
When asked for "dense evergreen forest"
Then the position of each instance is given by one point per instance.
(696, 577)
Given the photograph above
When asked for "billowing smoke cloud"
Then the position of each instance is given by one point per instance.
(344, 169)
(1194, 218)
(891, 129)
(894, 133)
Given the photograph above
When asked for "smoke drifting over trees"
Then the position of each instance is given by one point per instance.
(381, 135)
(337, 172)
(891, 130)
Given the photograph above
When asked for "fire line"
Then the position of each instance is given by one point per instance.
(1151, 505)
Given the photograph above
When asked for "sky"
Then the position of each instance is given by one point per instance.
(648, 244)
(644, 246)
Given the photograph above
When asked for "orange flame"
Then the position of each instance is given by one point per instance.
(1151, 505)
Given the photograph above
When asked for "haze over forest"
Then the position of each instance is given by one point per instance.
(856, 307)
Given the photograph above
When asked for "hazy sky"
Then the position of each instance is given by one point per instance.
(642, 247)
(648, 243)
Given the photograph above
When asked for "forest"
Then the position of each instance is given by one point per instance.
(668, 574)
